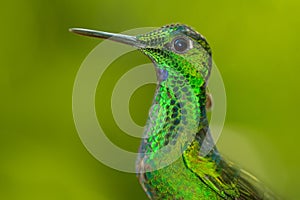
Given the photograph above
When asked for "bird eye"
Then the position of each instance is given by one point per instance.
(181, 45)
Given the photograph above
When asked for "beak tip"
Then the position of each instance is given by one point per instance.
(75, 30)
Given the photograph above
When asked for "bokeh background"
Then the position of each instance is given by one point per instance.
(255, 45)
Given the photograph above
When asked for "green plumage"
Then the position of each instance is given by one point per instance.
(177, 127)
(178, 158)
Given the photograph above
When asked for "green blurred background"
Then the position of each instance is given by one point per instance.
(255, 45)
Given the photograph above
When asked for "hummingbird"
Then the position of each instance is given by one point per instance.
(178, 158)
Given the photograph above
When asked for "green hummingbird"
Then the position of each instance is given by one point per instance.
(178, 158)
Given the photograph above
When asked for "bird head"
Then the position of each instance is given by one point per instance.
(174, 49)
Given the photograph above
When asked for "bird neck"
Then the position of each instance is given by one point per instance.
(178, 111)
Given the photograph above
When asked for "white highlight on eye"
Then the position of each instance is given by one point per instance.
(189, 44)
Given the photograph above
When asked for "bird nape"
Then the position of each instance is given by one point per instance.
(178, 158)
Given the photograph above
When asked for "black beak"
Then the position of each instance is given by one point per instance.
(125, 39)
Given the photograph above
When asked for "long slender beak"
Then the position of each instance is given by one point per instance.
(125, 39)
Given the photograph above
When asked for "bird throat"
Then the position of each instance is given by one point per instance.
(176, 115)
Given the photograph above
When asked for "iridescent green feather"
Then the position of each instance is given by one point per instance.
(177, 157)
(178, 113)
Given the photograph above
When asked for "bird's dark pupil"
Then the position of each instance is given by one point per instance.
(180, 44)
